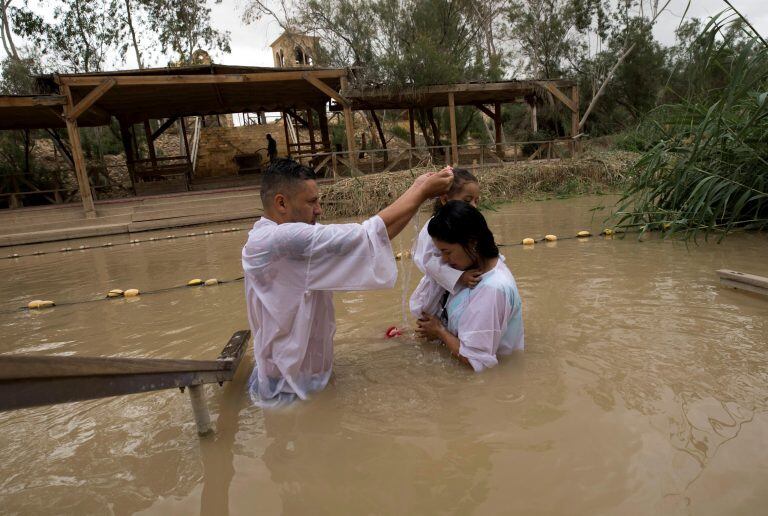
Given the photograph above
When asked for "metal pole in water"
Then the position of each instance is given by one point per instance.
(200, 408)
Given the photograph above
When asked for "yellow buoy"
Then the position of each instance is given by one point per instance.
(211, 282)
(39, 303)
(131, 292)
(582, 234)
(607, 232)
(115, 292)
(550, 238)
(194, 282)
(528, 241)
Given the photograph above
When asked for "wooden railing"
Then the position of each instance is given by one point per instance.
(34, 380)
(369, 161)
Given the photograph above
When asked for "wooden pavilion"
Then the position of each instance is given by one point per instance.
(138, 96)
(135, 97)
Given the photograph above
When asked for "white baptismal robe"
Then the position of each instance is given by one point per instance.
(439, 277)
(290, 272)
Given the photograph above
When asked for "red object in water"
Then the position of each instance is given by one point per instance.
(393, 331)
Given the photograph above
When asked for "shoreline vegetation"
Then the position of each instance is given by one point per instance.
(594, 171)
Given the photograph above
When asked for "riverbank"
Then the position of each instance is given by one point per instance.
(595, 171)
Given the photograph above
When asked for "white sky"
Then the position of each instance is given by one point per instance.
(250, 43)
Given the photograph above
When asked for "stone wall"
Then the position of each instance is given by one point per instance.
(219, 146)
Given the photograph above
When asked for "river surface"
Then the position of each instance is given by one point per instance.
(643, 388)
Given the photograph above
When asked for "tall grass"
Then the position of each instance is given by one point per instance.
(708, 170)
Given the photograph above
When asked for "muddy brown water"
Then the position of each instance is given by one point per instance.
(643, 389)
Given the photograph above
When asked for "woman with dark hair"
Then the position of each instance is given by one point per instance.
(479, 323)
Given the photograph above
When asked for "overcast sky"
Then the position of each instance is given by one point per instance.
(250, 43)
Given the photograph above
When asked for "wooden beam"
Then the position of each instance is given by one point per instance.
(285, 128)
(349, 126)
(575, 113)
(411, 129)
(87, 101)
(311, 129)
(454, 138)
(298, 117)
(150, 143)
(81, 173)
(498, 129)
(743, 281)
(534, 118)
(320, 85)
(33, 101)
(29, 381)
(324, 133)
(154, 80)
(160, 130)
(130, 157)
(490, 114)
(562, 97)
(380, 131)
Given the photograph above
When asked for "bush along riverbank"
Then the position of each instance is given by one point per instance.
(591, 172)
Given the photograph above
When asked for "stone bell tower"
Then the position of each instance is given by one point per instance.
(292, 49)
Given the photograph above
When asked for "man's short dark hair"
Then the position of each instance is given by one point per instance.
(269, 135)
(283, 175)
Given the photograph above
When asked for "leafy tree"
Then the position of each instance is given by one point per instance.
(185, 26)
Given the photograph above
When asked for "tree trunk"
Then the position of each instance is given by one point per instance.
(133, 34)
(600, 92)
(5, 30)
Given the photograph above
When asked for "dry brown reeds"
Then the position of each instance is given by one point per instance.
(592, 171)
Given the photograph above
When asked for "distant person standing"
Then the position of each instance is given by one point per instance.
(271, 148)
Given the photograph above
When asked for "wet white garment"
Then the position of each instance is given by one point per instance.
(439, 277)
(290, 272)
(487, 319)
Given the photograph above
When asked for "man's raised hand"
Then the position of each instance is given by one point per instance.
(433, 184)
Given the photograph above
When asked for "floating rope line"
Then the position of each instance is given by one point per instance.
(39, 304)
(113, 294)
(85, 247)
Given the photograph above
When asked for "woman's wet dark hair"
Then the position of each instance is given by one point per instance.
(461, 176)
(458, 222)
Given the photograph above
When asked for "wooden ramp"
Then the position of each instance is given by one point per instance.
(30, 381)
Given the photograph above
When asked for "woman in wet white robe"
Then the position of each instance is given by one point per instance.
(476, 324)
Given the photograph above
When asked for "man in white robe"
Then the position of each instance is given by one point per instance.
(292, 266)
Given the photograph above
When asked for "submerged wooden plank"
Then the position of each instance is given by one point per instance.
(743, 286)
(25, 383)
(743, 277)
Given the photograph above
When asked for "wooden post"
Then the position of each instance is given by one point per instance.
(200, 409)
(410, 125)
(575, 119)
(534, 119)
(183, 124)
(285, 127)
(498, 128)
(454, 138)
(81, 173)
(349, 125)
(324, 133)
(130, 155)
(150, 144)
(311, 128)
